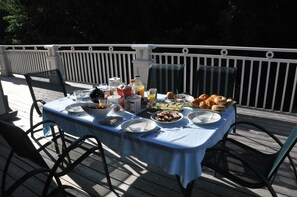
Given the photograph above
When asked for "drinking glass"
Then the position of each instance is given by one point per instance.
(152, 94)
(77, 95)
(81, 95)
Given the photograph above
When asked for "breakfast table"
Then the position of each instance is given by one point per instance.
(176, 148)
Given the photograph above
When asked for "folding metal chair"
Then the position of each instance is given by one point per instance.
(244, 164)
(54, 166)
(215, 80)
(166, 77)
(51, 80)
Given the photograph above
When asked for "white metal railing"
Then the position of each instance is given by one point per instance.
(97, 63)
(25, 59)
(267, 77)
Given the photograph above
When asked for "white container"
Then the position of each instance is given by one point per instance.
(113, 84)
(114, 99)
(135, 104)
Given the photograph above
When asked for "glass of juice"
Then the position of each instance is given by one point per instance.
(141, 91)
(152, 94)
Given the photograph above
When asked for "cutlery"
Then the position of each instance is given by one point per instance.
(150, 133)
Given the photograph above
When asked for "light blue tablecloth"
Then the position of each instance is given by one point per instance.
(177, 148)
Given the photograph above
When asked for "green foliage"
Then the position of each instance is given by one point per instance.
(219, 22)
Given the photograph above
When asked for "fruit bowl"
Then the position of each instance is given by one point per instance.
(96, 110)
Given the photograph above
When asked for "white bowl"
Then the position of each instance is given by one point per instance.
(204, 117)
(91, 109)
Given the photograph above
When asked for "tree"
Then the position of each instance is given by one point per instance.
(217, 22)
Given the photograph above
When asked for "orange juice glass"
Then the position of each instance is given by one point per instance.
(151, 97)
(152, 94)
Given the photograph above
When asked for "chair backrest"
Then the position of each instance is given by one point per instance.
(166, 77)
(51, 80)
(20, 143)
(215, 80)
(283, 152)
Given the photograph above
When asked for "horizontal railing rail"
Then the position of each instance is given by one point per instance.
(266, 77)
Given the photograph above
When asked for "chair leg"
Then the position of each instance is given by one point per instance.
(270, 188)
(64, 146)
(5, 170)
(50, 178)
(235, 109)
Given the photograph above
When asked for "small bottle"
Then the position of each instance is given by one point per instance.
(139, 87)
(131, 84)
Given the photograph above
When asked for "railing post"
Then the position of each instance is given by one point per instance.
(4, 66)
(53, 58)
(142, 61)
(54, 61)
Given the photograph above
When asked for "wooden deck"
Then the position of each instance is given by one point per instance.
(131, 177)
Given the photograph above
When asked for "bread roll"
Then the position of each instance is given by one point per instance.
(218, 107)
(212, 97)
(195, 103)
(220, 100)
(203, 105)
(170, 95)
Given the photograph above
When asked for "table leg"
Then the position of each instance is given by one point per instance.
(188, 190)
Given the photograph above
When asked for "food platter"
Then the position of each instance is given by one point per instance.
(74, 108)
(161, 105)
(212, 102)
(204, 117)
(158, 118)
(226, 106)
(139, 125)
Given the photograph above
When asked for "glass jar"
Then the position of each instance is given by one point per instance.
(113, 83)
(138, 86)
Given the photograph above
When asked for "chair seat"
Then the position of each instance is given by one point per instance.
(237, 168)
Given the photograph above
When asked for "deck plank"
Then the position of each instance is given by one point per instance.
(132, 177)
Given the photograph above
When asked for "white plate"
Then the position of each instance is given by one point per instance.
(184, 97)
(163, 122)
(139, 125)
(204, 117)
(74, 108)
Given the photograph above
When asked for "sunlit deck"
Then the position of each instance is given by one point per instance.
(131, 177)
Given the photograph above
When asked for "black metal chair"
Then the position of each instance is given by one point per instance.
(215, 80)
(247, 166)
(166, 77)
(23, 148)
(53, 81)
